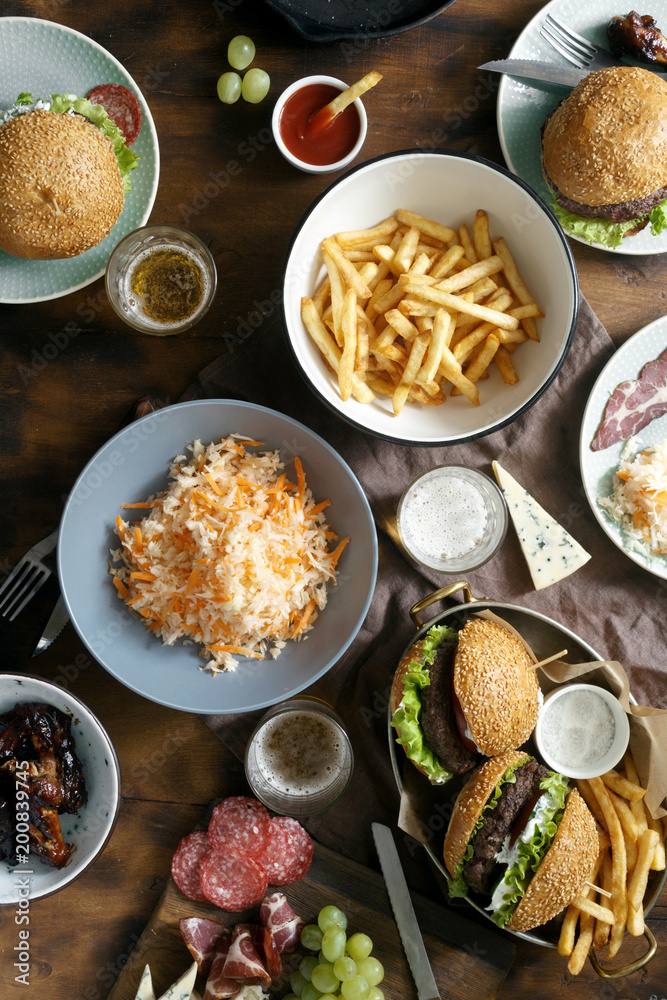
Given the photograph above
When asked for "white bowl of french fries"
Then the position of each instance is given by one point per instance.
(424, 278)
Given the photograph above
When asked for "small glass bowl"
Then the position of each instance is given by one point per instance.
(486, 501)
(160, 236)
(317, 168)
(581, 730)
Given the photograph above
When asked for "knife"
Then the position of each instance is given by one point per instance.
(404, 914)
(53, 627)
(533, 69)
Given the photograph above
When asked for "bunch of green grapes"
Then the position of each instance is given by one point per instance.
(255, 84)
(344, 967)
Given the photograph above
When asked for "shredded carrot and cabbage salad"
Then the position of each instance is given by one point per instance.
(232, 555)
(639, 498)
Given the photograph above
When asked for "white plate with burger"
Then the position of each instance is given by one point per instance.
(41, 58)
(523, 109)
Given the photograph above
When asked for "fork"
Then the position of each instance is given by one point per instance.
(27, 577)
(575, 48)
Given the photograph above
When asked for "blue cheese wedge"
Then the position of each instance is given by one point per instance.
(146, 991)
(551, 553)
(182, 989)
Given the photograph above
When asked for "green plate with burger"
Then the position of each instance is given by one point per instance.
(522, 110)
(42, 58)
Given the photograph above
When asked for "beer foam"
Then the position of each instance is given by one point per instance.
(301, 753)
(445, 517)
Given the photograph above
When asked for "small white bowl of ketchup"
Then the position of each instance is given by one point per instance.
(331, 149)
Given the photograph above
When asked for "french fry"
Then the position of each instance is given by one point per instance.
(426, 226)
(586, 792)
(328, 347)
(367, 238)
(483, 269)
(627, 789)
(658, 862)
(583, 945)
(457, 303)
(323, 118)
(480, 235)
(443, 327)
(594, 909)
(446, 263)
(349, 355)
(637, 885)
(515, 282)
(483, 360)
(619, 899)
(503, 360)
(347, 270)
(467, 244)
(405, 254)
(417, 352)
(637, 805)
(601, 935)
(567, 932)
(628, 821)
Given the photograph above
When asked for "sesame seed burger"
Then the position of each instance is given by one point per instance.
(520, 841)
(64, 171)
(604, 155)
(459, 696)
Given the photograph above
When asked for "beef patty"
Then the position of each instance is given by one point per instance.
(480, 871)
(438, 719)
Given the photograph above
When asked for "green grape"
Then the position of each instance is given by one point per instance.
(290, 996)
(255, 86)
(329, 996)
(311, 937)
(297, 983)
(310, 992)
(307, 966)
(375, 994)
(322, 959)
(359, 946)
(331, 916)
(356, 988)
(324, 979)
(229, 88)
(240, 51)
(333, 943)
(371, 970)
(345, 968)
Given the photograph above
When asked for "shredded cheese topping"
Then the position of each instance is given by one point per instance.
(639, 498)
(232, 555)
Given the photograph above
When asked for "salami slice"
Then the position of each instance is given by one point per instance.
(239, 825)
(279, 854)
(303, 847)
(186, 861)
(121, 105)
(231, 882)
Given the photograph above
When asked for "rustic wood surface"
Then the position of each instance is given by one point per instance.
(361, 893)
(54, 419)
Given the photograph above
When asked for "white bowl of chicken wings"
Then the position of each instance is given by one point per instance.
(59, 789)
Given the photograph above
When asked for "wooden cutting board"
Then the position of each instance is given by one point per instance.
(469, 962)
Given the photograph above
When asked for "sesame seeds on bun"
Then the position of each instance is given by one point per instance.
(606, 143)
(498, 694)
(564, 869)
(60, 187)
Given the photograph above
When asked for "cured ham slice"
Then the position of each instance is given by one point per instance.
(276, 914)
(264, 942)
(201, 937)
(243, 962)
(633, 404)
(218, 985)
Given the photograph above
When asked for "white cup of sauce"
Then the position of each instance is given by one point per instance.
(291, 113)
(452, 519)
(582, 730)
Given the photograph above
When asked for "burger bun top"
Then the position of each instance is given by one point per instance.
(606, 143)
(60, 187)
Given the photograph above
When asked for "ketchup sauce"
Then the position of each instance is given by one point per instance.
(327, 146)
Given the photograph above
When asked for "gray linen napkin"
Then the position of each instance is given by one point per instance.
(614, 605)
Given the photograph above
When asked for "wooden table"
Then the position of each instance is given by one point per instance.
(55, 418)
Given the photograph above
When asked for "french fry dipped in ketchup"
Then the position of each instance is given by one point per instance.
(323, 118)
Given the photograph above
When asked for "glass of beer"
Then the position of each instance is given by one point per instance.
(299, 759)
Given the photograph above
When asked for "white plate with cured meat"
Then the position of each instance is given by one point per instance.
(634, 384)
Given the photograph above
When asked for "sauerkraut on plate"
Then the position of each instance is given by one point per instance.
(233, 555)
(638, 501)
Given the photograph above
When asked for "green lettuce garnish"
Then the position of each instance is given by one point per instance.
(61, 103)
(531, 853)
(407, 716)
(457, 885)
(603, 232)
